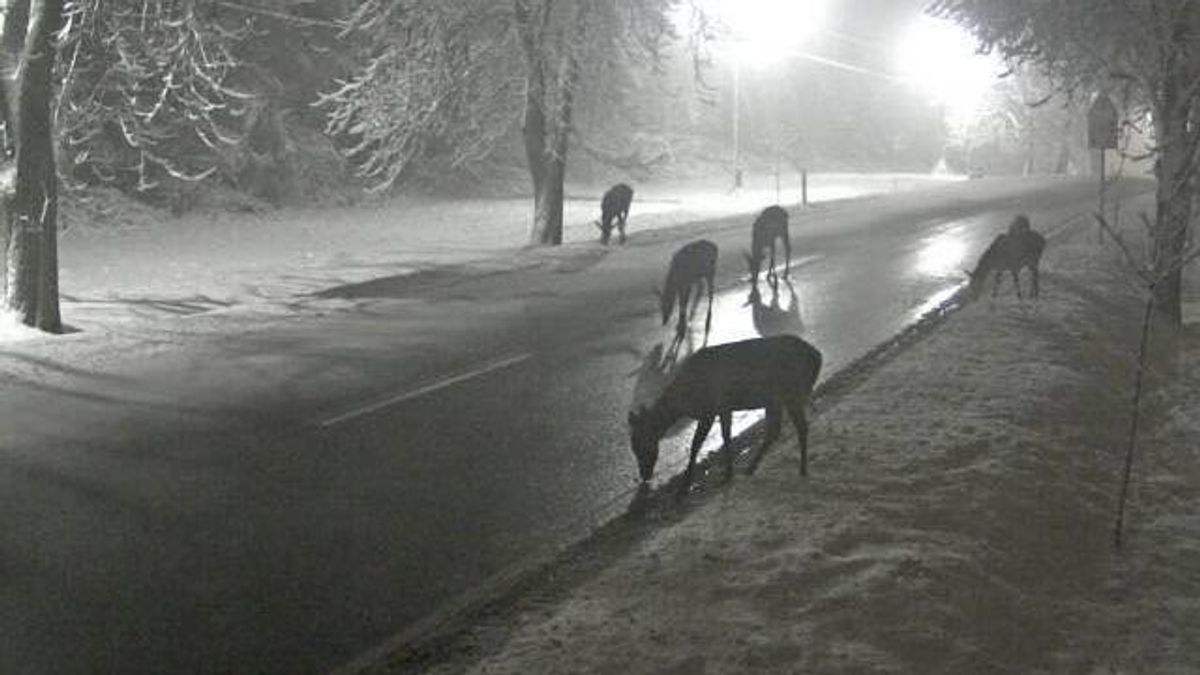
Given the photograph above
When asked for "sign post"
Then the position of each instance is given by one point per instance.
(1103, 122)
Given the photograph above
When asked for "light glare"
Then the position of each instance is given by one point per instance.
(767, 31)
(941, 58)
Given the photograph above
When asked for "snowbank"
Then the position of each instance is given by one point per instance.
(957, 517)
(12, 330)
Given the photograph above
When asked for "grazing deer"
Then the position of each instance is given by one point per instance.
(692, 265)
(1017, 248)
(775, 373)
(770, 226)
(614, 209)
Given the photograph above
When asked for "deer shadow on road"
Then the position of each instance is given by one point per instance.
(775, 318)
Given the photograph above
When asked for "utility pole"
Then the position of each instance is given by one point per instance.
(737, 95)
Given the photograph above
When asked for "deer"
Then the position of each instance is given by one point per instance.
(1010, 251)
(770, 226)
(614, 209)
(776, 373)
(693, 264)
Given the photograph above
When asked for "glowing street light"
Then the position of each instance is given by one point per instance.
(942, 59)
(761, 33)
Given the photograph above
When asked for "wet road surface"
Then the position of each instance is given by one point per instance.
(292, 547)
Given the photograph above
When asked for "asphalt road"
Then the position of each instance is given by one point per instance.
(492, 427)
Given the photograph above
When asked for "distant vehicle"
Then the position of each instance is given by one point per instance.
(614, 210)
(975, 173)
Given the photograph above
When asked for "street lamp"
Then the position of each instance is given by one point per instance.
(737, 88)
(762, 33)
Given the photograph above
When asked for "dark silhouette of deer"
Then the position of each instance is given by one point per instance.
(770, 226)
(614, 210)
(776, 373)
(693, 265)
(1018, 248)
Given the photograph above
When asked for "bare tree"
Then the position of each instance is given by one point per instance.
(455, 78)
(29, 199)
(1146, 50)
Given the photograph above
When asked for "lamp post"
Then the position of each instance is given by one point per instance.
(737, 90)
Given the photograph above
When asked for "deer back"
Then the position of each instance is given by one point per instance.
(744, 375)
(1011, 251)
(616, 200)
(692, 262)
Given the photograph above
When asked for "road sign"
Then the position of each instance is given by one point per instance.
(1102, 123)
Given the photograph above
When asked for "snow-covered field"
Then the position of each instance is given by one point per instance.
(957, 518)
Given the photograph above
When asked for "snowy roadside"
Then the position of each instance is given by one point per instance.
(957, 518)
(134, 263)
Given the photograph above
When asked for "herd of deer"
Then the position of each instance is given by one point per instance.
(774, 372)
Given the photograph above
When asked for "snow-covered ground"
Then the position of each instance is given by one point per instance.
(958, 512)
(957, 518)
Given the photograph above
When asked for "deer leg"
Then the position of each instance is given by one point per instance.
(727, 438)
(684, 294)
(796, 410)
(996, 287)
(774, 425)
(787, 252)
(1016, 282)
(708, 319)
(621, 226)
(703, 425)
(699, 295)
(1036, 290)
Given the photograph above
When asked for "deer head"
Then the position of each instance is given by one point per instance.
(754, 264)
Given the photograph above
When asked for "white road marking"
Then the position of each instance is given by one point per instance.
(429, 388)
(797, 263)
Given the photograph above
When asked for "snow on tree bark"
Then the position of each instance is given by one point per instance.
(32, 207)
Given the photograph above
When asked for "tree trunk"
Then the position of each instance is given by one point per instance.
(548, 204)
(1176, 139)
(535, 145)
(1173, 196)
(1173, 199)
(12, 44)
(532, 26)
(33, 241)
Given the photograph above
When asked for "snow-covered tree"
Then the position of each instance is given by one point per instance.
(1147, 51)
(147, 91)
(454, 77)
(28, 180)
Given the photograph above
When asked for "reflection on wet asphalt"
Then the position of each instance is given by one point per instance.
(854, 293)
